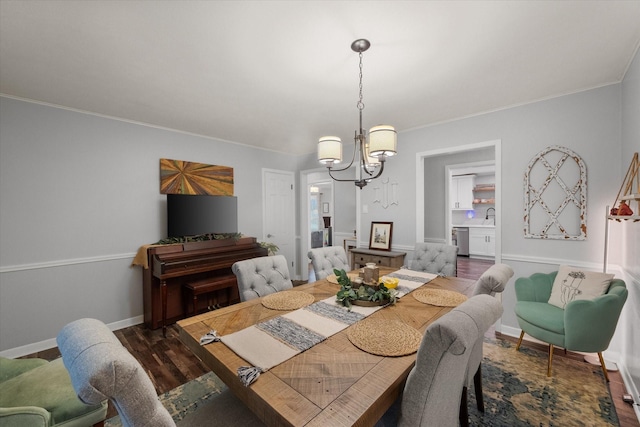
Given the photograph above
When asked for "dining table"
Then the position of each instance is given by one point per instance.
(333, 383)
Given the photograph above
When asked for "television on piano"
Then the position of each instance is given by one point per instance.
(191, 215)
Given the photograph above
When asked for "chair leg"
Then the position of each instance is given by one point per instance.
(477, 385)
(463, 415)
(604, 368)
(520, 341)
(550, 360)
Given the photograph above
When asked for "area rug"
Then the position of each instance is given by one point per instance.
(204, 401)
(517, 392)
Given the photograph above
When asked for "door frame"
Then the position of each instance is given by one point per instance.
(307, 178)
(420, 215)
(497, 152)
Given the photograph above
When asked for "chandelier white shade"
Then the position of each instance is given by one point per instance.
(370, 160)
(371, 152)
(383, 140)
(330, 150)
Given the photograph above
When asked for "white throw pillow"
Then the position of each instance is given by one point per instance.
(574, 284)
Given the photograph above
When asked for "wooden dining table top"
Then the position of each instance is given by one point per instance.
(333, 383)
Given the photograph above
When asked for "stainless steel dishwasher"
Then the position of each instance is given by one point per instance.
(462, 240)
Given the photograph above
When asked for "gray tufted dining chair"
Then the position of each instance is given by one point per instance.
(435, 258)
(262, 276)
(101, 368)
(431, 394)
(492, 281)
(324, 260)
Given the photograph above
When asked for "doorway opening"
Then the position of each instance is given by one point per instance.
(320, 217)
(339, 203)
(433, 183)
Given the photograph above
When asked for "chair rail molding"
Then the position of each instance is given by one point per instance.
(66, 262)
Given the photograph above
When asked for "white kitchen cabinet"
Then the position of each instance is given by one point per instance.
(482, 241)
(461, 192)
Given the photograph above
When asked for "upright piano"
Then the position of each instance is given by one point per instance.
(170, 266)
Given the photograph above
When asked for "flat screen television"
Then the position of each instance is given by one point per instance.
(191, 215)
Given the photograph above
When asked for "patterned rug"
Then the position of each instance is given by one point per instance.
(517, 393)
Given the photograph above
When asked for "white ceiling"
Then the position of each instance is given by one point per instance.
(280, 74)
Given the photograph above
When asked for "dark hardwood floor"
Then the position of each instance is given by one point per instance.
(472, 268)
(169, 363)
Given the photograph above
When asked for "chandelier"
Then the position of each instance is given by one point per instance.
(371, 152)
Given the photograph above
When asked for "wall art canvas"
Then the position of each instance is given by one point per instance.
(183, 177)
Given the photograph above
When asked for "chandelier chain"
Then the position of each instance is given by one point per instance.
(360, 103)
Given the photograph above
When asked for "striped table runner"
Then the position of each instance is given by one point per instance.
(274, 341)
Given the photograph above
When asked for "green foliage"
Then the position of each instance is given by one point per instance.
(198, 238)
(271, 247)
(347, 294)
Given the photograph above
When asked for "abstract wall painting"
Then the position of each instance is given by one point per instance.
(183, 177)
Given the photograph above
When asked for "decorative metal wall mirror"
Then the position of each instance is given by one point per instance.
(555, 196)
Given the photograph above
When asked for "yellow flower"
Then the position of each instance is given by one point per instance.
(390, 282)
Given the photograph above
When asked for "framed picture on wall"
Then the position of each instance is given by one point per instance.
(380, 237)
(325, 207)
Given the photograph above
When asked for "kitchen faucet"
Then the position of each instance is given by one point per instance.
(494, 214)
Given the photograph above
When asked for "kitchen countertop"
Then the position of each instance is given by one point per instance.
(475, 225)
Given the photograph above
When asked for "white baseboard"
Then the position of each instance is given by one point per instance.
(510, 331)
(24, 350)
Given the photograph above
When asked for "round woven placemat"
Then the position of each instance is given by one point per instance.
(287, 300)
(439, 297)
(384, 337)
(333, 279)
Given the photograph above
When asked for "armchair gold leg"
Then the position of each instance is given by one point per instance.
(604, 368)
(550, 360)
(520, 341)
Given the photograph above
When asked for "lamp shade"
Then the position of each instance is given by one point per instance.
(370, 160)
(382, 140)
(329, 150)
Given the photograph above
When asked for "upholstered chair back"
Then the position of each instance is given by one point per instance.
(493, 280)
(435, 258)
(262, 276)
(324, 260)
(432, 391)
(101, 368)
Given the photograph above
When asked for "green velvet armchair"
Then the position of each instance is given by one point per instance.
(38, 393)
(584, 325)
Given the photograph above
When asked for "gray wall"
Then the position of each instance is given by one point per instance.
(586, 122)
(80, 194)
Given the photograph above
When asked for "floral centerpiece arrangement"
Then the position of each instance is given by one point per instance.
(359, 293)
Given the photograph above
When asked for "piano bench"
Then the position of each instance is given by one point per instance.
(207, 286)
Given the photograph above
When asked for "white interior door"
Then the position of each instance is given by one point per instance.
(279, 213)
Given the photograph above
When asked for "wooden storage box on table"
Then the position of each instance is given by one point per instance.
(171, 266)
